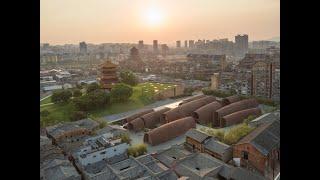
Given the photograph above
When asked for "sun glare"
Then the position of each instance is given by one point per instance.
(154, 17)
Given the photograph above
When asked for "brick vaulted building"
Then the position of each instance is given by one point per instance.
(108, 75)
(260, 150)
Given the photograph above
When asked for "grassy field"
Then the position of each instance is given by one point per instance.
(46, 101)
(142, 96)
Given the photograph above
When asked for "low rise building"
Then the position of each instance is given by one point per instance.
(70, 135)
(260, 150)
(144, 167)
(53, 163)
(58, 169)
(101, 147)
(201, 142)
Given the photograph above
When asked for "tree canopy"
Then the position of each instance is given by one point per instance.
(60, 96)
(92, 100)
(92, 87)
(129, 78)
(121, 92)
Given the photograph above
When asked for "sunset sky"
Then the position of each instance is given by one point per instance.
(106, 21)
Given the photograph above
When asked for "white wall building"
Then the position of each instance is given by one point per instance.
(100, 148)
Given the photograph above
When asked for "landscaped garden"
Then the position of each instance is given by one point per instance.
(64, 111)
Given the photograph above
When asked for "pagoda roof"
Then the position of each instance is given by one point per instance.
(108, 64)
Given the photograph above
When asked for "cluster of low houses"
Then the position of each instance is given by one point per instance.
(80, 150)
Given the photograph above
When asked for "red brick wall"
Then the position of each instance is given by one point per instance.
(197, 145)
(255, 158)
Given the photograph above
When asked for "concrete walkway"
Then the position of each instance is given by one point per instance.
(171, 103)
(46, 104)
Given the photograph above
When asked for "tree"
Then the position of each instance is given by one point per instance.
(92, 100)
(77, 93)
(129, 78)
(44, 113)
(61, 96)
(78, 115)
(92, 87)
(121, 92)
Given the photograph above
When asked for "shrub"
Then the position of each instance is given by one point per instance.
(77, 115)
(188, 91)
(77, 93)
(137, 150)
(249, 119)
(44, 113)
(236, 133)
(218, 93)
(219, 135)
(102, 124)
(125, 138)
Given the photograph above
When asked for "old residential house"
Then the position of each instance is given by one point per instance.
(201, 142)
(260, 150)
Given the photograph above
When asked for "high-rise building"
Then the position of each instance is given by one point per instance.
(191, 43)
(46, 45)
(155, 46)
(185, 43)
(242, 44)
(178, 44)
(164, 49)
(83, 47)
(215, 81)
(140, 45)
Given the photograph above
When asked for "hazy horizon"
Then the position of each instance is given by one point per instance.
(127, 21)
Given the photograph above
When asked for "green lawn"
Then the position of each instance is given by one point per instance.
(46, 101)
(141, 96)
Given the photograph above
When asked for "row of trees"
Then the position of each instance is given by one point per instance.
(218, 93)
(223, 94)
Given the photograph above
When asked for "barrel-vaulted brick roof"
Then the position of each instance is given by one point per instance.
(239, 116)
(187, 109)
(169, 131)
(205, 114)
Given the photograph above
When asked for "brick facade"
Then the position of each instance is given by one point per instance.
(255, 158)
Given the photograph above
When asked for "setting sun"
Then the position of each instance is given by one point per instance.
(154, 17)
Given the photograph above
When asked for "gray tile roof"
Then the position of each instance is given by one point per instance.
(264, 138)
(60, 128)
(266, 118)
(197, 135)
(243, 174)
(216, 146)
(59, 170)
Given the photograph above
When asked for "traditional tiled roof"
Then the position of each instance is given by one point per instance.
(59, 129)
(264, 138)
(197, 135)
(59, 170)
(216, 146)
(243, 174)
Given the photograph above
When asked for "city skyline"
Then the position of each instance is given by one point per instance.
(122, 21)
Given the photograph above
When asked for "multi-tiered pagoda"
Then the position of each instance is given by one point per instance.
(108, 75)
